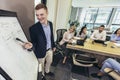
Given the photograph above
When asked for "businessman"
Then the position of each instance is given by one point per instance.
(42, 39)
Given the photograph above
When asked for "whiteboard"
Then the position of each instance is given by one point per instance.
(2, 78)
(17, 62)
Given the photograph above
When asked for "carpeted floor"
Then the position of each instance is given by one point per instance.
(71, 72)
(67, 72)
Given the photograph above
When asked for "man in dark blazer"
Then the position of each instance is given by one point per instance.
(42, 39)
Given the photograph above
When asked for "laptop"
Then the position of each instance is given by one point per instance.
(99, 41)
(81, 41)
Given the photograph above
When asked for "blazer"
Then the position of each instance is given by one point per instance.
(38, 39)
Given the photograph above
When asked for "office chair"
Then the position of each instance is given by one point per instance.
(107, 38)
(60, 33)
(83, 60)
(58, 54)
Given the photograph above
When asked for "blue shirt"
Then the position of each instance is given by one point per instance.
(116, 38)
(47, 32)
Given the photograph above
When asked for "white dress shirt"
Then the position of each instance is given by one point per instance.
(96, 35)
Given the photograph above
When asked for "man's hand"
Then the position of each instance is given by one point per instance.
(54, 49)
(27, 45)
(70, 41)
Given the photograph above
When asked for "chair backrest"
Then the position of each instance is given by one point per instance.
(60, 33)
(107, 38)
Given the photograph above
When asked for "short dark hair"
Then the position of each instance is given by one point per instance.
(102, 26)
(40, 6)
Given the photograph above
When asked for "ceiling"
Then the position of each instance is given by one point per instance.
(96, 3)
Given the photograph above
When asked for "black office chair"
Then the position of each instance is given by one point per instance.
(107, 38)
(59, 53)
(60, 33)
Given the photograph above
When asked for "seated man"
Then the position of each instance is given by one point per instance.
(109, 63)
(99, 34)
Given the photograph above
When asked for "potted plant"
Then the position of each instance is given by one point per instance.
(75, 23)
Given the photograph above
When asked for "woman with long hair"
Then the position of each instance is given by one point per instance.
(83, 32)
(115, 37)
(67, 36)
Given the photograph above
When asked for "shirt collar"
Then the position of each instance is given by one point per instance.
(44, 25)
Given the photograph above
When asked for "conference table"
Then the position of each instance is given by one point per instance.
(110, 49)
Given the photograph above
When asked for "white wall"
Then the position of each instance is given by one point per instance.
(52, 8)
(63, 13)
(59, 12)
(95, 3)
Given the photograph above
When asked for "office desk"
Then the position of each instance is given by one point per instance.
(97, 48)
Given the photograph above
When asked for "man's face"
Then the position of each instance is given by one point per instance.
(101, 29)
(42, 15)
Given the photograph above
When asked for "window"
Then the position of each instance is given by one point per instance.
(94, 17)
(90, 15)
(116, 21)
(103, 15)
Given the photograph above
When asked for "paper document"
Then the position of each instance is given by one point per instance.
(117, 44)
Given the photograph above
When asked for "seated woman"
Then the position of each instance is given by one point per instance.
(83, 33)
(116, 36)
(109, 63)
(67, 36)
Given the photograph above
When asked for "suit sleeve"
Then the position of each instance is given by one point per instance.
(52, 36)
(32, 36)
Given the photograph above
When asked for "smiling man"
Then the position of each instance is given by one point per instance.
(42, 39)
(99, 34)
